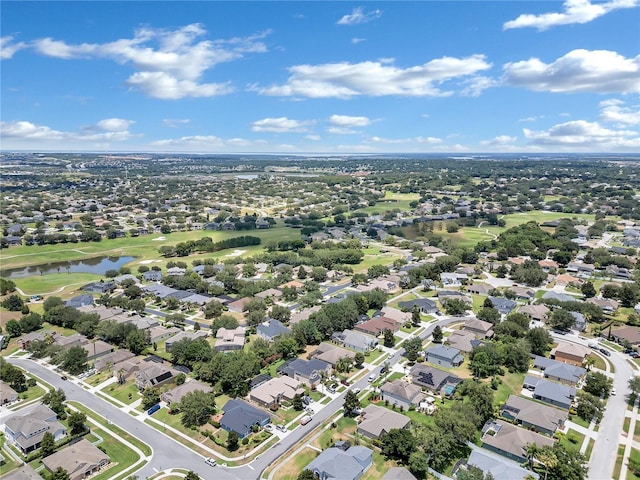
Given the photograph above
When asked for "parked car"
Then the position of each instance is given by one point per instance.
(211, 462)
(372, 377)
(356, 390)
(282, 428)
(268, 427)
(309, 410)
(593, 345)
(153, 409)
(304, 420)
(331, 390)
(63, 377)
(345, 382)
(605, 352)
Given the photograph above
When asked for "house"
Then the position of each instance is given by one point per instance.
(607, 305)
(479, 289)
(152, 276)
(26, 428)
(394, 314)
(276, 390)
(160, 332)
(570, 353)
(629, 334)
(538, 312)
(303, 314)
(498, 466)
(548, 265)
(230, 339)
(559, 371)
(425, 305)
(269, 293)
(175, 394)
(398, 473)
(272, 329)
(526, 294)
(377, 421)
(25, 472)
(448, 357)
(534, 415)
(580, 322)
(511, 441)
(377, 325)
(561, 297)
(446, 295)
(240, 417)
(433, 379)
(154, 375)
(331, 353)
(7, 394)
(100, 287)
(402, 394)
(553, 393)
(503, 305)
(453, 279)
(73, 340)
(80, 460)
(184, 335)
(308, 372)
(463, 340)
(111, 359)
(337, 464)
(80, 301)
(97, 349)
(478, 327)
(565, 279)
(355, 340)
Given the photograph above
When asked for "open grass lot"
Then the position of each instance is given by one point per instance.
(143, 248)
(510, 383)
(345, 427)
(572, 441)
(62, 284)
(379, 467)
(127, 393)
(121, 455)
(291, 469)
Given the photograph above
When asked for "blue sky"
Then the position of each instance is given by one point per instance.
(321, 77)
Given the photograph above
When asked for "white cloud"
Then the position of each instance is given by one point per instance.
(531, 119)
(575, 11)
(358, 16)
(169, 64)
(345, 80)
(597, 71)
(8, 48)
(614, 111)
(580, 135)
(174, 122)
(280, 125)
(349, 121)
(356, 40)
(500, 140)
(203, 141)
(107, 130)
(313, 138)
(408, 141)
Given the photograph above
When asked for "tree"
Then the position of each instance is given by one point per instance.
(540, 340)
(588, 290)
(55, 400)
(589, 407)
(485, 360)
(389, 339)
(74, 360)
(454, 306)
(137, 340)
(480, 396)
(489, 314)
(358, 360)
(343, 365)
(77, 422)
(412, 347)
(306, 474)
(150, 396)
(634, 385)
(473, 473)
(13, 376)
(13, 328)
(597, 384)
(398, 444)
(351, 403)
(47, 445)
(232, 441)
(280, 313)
(196, 408)
(297, 402)
(59, 473)
(287, 346)
(562, 320)
(13, 303)
(213, 309)
(224, 321)
(437, 334)
(191, 475)
(377, 270)
(415, 316)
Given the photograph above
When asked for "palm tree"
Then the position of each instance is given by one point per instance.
(548, 459)
(590, 362)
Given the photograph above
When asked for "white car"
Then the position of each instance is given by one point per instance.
(612, 392)
(268, 427)
(211, 462)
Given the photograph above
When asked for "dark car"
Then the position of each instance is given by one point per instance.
(345, 382)
(63, 377)
(605, 352)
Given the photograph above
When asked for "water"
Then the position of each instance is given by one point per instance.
(97, 265)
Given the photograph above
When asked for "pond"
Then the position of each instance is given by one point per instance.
(97, 265)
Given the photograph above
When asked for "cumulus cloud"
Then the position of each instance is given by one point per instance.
(280, 125)
(420, 140)
(614, 111)
(169, 64)
(379, 78)
(575, 11)
(580, 135)
(174, 122)
(203, 141)
(358, 16)
(8, 47)
(107, 130)
(357, 40)
(595, 71)
(500, 140)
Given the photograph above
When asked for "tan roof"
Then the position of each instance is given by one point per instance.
(513, 440)
(461, 339)
(379, 420)
(331, 353)
(23, 473)
(78, 459)
(7, 394)
(405, 390)
(303, 314)
(97, 347)
(535, 413)
(276, 389)
(395, 314)
(570, 349)
(176, 394)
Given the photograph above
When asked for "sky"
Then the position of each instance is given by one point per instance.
(321, 77)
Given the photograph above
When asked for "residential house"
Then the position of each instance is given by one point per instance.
(463, 340)
(553, 393)
(272, 329)
(548, 265)
(561, 297)
(629, 334)
(402, 394)
(607, 305)
(534, 415)
(580, 322)
(446, 295)
(97, 349)
(308, 372)
(154, 375)
(7, 394)
(570, 353)
(360, 342)
(240, 417)
(80, 460)
(100, 287)
(498, 466)
(442, 355)
(478, 327)
(40, 336)
(425, 305)
(398, 473)
(303, 314)
(559, 371)
(377, 325)
(80, 301)
(238, 305)
(160, 332)
(269, 293)
(394, 314)
(511, 441)
(452, 279)
(73, 340)
(479, 289)
(538, 312)
(176, 394)
(337, 464)
(376, 421)
(565, 279)
(276, 390)
(521, 293)
(152, 276)
(26, 428)
(111, 359)
(503, 305)
(330, 353)
(25, 472)
(433, 379)
(230, 339)
(184, 335)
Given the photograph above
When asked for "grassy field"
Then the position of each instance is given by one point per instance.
(291, 469)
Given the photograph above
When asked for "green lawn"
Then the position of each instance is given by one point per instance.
(126, 393)
(619, 458)
(511, 383)
(572, 441)
(122, 457)
(291, 469)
